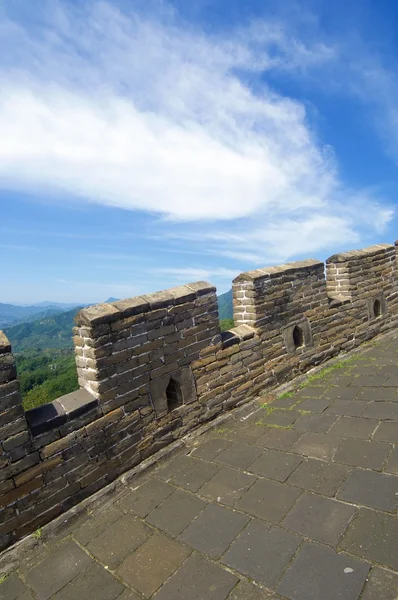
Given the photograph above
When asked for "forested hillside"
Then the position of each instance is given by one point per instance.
(45, 375)
(48, 332)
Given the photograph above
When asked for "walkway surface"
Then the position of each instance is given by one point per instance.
(297, 501)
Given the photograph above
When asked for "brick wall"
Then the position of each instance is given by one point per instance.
(154, 367)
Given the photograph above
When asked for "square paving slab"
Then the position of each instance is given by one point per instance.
(262, 552)
(319, 573)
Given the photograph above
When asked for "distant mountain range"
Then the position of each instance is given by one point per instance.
(12, 314)
(52, 328)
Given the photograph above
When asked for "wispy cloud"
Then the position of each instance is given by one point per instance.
(121, 109)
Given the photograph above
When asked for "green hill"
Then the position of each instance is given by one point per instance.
(225, 310)
(53, 331)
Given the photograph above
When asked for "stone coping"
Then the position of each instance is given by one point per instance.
(56, 413)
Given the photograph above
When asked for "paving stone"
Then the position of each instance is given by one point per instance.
(377, 395)
(227, 486)
(118, 540)
(239, 455)
(26, 596)
(392, 463)
(382, 411)
(348, 408)
(373, 536)
(213, 530)
(310, 391)
(353, 427)
(63, 565)
(146, 497)
(317, 445)
(368, 381)
(129, 595)
(149, 566)
(285, 401)
(318, 476)
(94, 581)
(175, 513)
(392, 381)
(319, 518)
(316, 423)
(281, 418)
(338, 380)
(248, 432)
(262, 552)
(192, 473)
(381, 585)
(361, 453)
(320, 573)
(97, 524)
(198, 579)
(209, 449)
(387, 432)
(279, 438)
(268, 499)
(249, 591)
(275, 464)
(12, 587)
(369, 488)
(314, 404)
(341, 393)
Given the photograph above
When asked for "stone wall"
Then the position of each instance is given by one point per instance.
(154, 367)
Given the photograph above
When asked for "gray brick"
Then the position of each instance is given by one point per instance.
(275, 465)
(382, 411)
(198, 579)
(361, 453)
(63, 565)
(146, 497)
(318, 476)
(210, 448)
(387, 432)
(369, 488)
(227, 486)
(319, 518)
(117, 541)
(269, 500)
(381, 585)
(373, 536)
(147, 568)
(262, 552)
(352, 427)
(316, 423)
(279, 438)
(239, 455)
(317, 445)
(318, 572)
(175, 513)
(100, 583)
(213, 530)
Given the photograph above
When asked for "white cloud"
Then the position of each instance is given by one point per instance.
(119, 109)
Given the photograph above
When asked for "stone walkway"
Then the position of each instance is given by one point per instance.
(297, 501)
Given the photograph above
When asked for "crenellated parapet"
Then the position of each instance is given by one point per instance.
(154, 367)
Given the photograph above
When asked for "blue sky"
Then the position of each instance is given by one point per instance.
(145, 144)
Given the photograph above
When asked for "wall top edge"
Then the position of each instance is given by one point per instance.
(5, 345)
(269, 272)
(99, 314)
(358, 254)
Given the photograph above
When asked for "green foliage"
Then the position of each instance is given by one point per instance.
(49, 332)
(226, 324)
(225, 310)
(45, 375)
